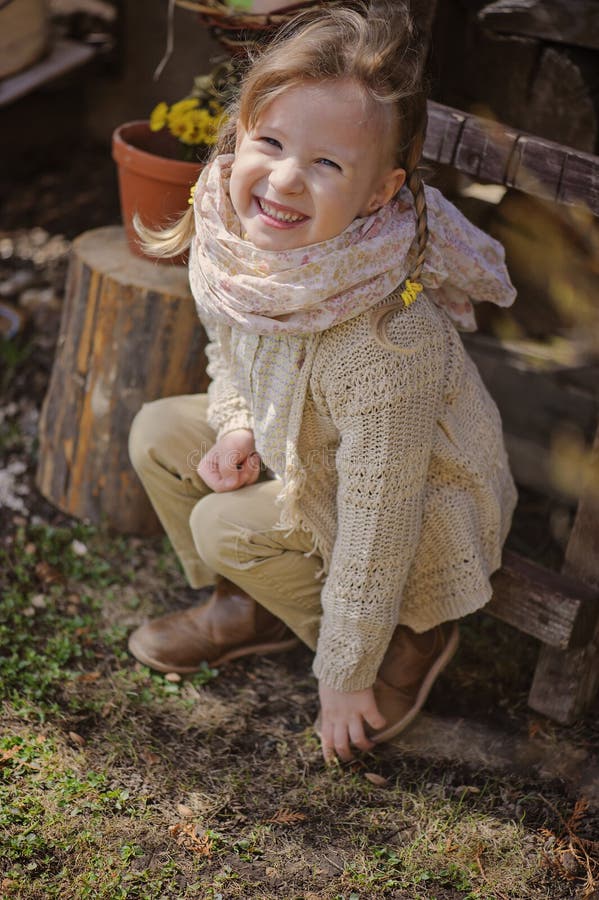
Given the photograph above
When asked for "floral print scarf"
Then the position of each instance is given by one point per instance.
(310, 289)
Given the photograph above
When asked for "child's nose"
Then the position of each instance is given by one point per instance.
(286, 176)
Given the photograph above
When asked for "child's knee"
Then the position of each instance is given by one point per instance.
(215, 538)
(140, 436)
(150, 429)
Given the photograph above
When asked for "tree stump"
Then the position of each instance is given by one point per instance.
(129, 334)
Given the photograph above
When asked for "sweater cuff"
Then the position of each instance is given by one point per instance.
(348, 662)
(239, 420)
(345, 680)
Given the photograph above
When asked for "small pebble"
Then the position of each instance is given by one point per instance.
(78, 548)
(172, 676)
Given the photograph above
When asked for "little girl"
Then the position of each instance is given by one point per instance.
(344, 480)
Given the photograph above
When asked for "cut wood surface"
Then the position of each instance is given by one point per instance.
(64, 55)
(560, 21)
(129, 334)
(557, 609)
(561, 101)
(490, 151)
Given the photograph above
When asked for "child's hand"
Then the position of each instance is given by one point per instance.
(232, 463)
(343, 715)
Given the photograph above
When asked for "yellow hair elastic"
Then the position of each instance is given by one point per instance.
(410, 292)
(192, 191)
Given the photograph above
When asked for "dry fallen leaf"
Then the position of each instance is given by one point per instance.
(47, 574)
(88, 676)
(184, 810)
(76, 738)
(186, 834)
(373, 778)
(8, 754)
(287, 817)
(148, 757)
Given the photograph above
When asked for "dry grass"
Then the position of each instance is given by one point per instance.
(117, 783)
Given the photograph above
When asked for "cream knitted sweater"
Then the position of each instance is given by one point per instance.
(408, 492)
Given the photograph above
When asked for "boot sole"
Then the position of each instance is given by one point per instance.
(235, 653)
(393, 730)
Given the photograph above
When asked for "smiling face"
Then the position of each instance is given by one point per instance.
(309, 166)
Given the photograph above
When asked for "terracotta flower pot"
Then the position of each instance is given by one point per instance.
(152, 181)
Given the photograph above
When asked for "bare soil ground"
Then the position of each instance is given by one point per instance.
(118, 783)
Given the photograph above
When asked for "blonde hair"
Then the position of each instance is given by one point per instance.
(374, 45)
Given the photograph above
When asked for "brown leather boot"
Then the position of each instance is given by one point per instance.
(408, 671)
(229, 625)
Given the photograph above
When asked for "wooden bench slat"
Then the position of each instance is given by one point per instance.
(556, 609)
(489, 151)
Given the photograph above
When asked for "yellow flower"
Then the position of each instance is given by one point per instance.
(212, 126)
(159, 117)
(182, 107)
(190, 121)
(193, 126)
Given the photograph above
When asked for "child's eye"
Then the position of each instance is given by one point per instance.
(329, 162)
(272, 141)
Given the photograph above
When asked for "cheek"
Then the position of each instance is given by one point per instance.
(239, 178)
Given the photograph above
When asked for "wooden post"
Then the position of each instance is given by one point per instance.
(129, 334)
(566, 681)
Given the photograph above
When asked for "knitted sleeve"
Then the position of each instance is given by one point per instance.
(385, 406)
(227, 409)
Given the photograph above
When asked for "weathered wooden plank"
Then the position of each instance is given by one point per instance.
(493, 152)
(129, 334)
(560, 21)
(443, 133)
(566, 681)
(556, 609)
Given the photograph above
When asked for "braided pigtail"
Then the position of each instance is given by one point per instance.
(411, 114)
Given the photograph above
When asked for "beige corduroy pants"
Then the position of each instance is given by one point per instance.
(231, 534)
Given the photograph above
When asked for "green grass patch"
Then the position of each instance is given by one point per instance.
(118, 783)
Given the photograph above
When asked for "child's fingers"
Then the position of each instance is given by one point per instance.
(342, 748)
(327, 744)
(251, 468)
(211, 473)
(358, 735)
(374, 718)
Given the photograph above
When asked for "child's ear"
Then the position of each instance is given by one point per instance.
(387, 188)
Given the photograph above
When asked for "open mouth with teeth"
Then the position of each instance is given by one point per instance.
(279, 216)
